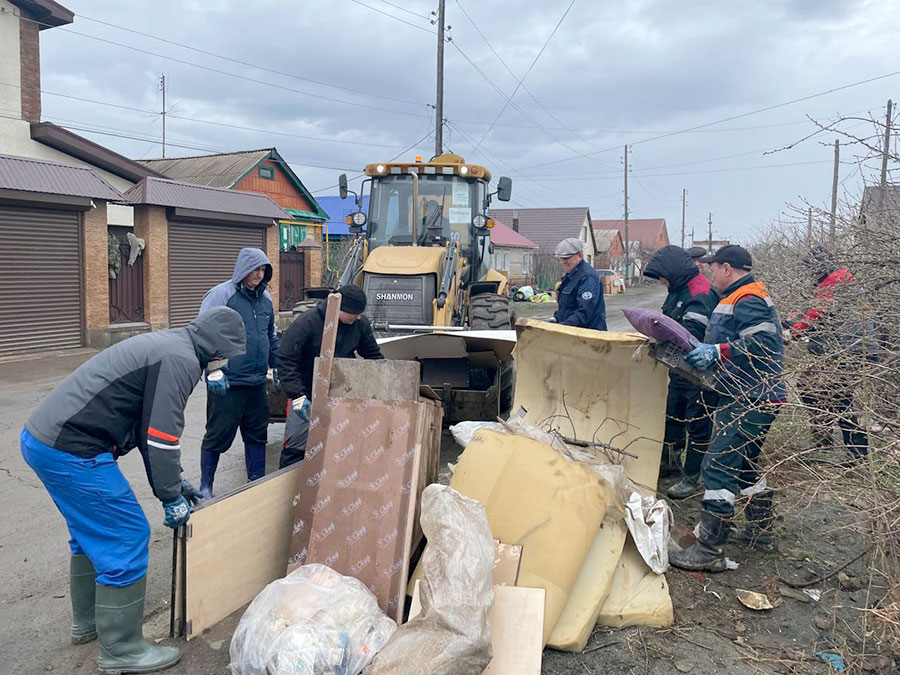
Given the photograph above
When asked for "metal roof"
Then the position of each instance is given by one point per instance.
(35, 175)
(164, 192)
(643, 230)
(222, 171)
(501, 235)
(546, 227)
(47, 12)
(605, 238)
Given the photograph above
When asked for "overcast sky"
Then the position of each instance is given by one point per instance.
(612, 73)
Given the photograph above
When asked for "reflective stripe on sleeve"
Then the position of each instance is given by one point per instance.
(765, 327)
(718, 496)
(696, 316)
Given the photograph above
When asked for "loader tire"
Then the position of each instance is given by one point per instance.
(490, 311)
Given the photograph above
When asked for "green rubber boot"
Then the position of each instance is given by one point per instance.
(82, 576)
(123, 649)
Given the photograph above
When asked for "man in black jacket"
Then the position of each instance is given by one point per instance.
(690, 302)
(301, 344)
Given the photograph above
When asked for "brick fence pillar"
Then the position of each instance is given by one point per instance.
(151, 225)
(96, 274)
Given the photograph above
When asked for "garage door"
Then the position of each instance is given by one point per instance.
(201, 256)
(40, 280)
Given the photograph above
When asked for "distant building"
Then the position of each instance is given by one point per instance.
(338, 209)
(610, 250)
(645, 237)
(548, 227)
(512, 251)
(715, 246)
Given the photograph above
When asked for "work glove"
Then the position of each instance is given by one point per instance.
(703, 356)
(276, 380)
(786, 335)
(217, 387)
(190, 493)
(301, 407)
(177, 512)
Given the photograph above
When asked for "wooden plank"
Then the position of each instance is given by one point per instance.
(235, 546)
(382, 379)
(517, 620)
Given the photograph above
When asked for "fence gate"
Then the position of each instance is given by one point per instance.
(126, 291)
(292, 280)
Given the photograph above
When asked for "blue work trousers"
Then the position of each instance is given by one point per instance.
(731, 466)
(105, 521)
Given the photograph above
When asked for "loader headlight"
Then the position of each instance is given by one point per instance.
(463, 170)
(359, 218)
(480, 221)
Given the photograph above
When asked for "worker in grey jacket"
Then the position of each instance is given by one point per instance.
(130, 395)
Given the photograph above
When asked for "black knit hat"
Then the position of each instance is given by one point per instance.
(353, 299)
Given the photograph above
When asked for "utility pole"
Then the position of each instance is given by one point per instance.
(834, 187)
(162, 85)
(710, 234)
(887, 144)
(627, 268)
(683, 197)
(439, 97)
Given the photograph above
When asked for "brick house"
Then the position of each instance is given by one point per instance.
(645, 237)
(610, 250)
(63, 215)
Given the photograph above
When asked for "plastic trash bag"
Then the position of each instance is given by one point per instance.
(649, 520)
(452, 635)
(462, 432)
(314, 621)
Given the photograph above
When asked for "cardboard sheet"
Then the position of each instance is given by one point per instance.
(600, 386)
(539, 500)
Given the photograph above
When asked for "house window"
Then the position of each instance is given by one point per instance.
(267, 172)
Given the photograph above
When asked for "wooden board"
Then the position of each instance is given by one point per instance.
(517, 619)
(388, 380)
(233, 547)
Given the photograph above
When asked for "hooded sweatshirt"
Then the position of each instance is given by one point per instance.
(258, 312)
(691, 298)
(133, 395)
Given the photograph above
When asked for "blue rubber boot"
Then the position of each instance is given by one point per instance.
(255, 459)
(208, 463)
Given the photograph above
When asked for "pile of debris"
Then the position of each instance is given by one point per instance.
(528, 546)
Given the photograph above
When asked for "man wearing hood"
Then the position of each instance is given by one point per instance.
(238, 400)
(301, 345)
(130, 395)
(690, 302)
(833, 333)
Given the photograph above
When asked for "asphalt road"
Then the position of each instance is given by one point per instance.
(34, 556)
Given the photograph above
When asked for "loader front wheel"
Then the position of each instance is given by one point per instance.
(490, 311)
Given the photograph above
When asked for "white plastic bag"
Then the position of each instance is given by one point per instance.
(462, 432)
(315, 621)
(648, 521)
(452, 635)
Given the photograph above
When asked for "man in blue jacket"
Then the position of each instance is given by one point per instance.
(238, 400)
(580, 293)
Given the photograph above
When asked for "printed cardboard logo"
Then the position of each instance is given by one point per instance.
(364, 405)
(356, 536)
(378, 482)
(399, 431)
(406, 487)
(328, 352)
(333, 558)
(393, 569)
(296, 499)
(322, 535)
(351, 507)
(313, 480)
(321, 504)
(333, 403)
(343, 453)
(405, 457)
(348, 479)
(370, 429)
(391, 406)
(375, 454)
(393, 602)
(298, 527)
(360, 565)
(315, 450)
(298, 558)
(378, 514)
(314, 422)
(328, 326)
(387, 540)
(339, 427)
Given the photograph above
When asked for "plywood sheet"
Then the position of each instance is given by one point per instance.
(233, 547)
(537, 499)
(382, 379)
(517, 619)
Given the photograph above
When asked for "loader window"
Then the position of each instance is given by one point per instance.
(445, 207)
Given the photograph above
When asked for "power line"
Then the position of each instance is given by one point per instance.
(396, 18)
(732, 117)
(247, 63)
(527, 72)
(408, 11)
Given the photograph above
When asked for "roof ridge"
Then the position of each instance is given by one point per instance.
(205, 187)
(212, 154)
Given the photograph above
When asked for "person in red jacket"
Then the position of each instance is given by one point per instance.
(831, 333)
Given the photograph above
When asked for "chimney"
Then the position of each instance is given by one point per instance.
(515, 222)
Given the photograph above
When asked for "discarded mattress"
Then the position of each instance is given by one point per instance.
(536, 498)
(600, 386)
(638, 596)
